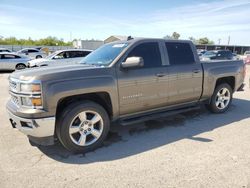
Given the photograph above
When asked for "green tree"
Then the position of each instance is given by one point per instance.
(174, 36)
(48, 41)
(204, 40)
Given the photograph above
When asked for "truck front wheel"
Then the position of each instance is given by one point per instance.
(83, 126)
(221, 99)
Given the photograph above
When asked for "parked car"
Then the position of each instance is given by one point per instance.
(60, 57)
(247, 60)
(217, 55)
(12, 61)
(247, 53)
(124, 82)
(201, 52)
(4, 50)
(32, 53)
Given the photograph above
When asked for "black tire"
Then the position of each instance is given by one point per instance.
(20, 66)
(212, 105)
(38, 57)
(67, 116)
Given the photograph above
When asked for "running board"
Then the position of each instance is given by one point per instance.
(163, 114)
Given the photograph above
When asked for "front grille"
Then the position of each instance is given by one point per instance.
(15, 100)
(13, 85)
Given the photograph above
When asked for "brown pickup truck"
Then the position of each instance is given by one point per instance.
(122, 82)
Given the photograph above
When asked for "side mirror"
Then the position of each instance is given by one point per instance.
(132, 62)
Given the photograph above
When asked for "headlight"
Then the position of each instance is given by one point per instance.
(30, 88)
(31, 102)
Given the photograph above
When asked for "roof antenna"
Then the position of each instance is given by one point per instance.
(130, 38)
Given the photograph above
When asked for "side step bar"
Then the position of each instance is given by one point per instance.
(163, 114)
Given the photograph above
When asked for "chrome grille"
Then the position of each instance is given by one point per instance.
(13, 85)
(15, 100)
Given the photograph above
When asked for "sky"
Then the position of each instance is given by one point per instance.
(98, 19)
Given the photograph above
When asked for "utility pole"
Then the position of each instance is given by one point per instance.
(229, 39)
(219, 40)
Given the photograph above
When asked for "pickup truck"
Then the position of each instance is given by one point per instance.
(122, 83)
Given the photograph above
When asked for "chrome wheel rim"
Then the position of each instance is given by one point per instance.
(86, 128)
(223, 98)
(20, 67)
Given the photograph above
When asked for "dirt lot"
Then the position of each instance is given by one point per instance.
(195, 149)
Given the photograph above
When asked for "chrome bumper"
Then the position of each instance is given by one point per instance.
(43, 127)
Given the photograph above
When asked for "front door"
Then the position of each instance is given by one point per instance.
(143, 88)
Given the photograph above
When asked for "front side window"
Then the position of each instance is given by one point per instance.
(62, 55)
(150, 53)
(75, 54)
(179, 53)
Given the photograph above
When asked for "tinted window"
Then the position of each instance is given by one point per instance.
(8, 56)
(63, 55)
(149, 52)
(75, 54)
(179, 53)
(226, 54)
(32, 51)
(4, 51)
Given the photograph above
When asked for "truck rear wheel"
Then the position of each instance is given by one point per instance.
(83, 126)
(221, 99)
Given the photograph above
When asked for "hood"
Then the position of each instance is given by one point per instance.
(56, 72)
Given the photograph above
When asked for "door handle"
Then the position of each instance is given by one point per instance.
(196, 71)
(160, 74)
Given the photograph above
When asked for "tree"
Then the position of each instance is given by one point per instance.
(193, 40)
(49, 41)
(174, 36)
(205, 40)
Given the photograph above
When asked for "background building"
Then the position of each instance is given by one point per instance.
(88, 44)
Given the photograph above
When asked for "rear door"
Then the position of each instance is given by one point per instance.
(143, 88)
(185, 74)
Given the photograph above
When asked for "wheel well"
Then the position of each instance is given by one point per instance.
(229, 80)
(101, 98)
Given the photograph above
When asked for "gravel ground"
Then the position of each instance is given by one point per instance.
(194, 149)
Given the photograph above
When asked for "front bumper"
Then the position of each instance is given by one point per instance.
(39, 128)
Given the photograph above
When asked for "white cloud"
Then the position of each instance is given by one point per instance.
(215, 19)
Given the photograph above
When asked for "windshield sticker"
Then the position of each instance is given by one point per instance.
(119, 45)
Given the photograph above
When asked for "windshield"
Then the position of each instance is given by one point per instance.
(104, 55)
(209, 54)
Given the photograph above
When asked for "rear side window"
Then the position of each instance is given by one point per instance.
(179, 53)
(226, 54)
(8, 56)
(32, 51)
(150, 53)
(75, 54)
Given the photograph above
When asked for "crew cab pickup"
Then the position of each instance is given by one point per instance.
(123, 83)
